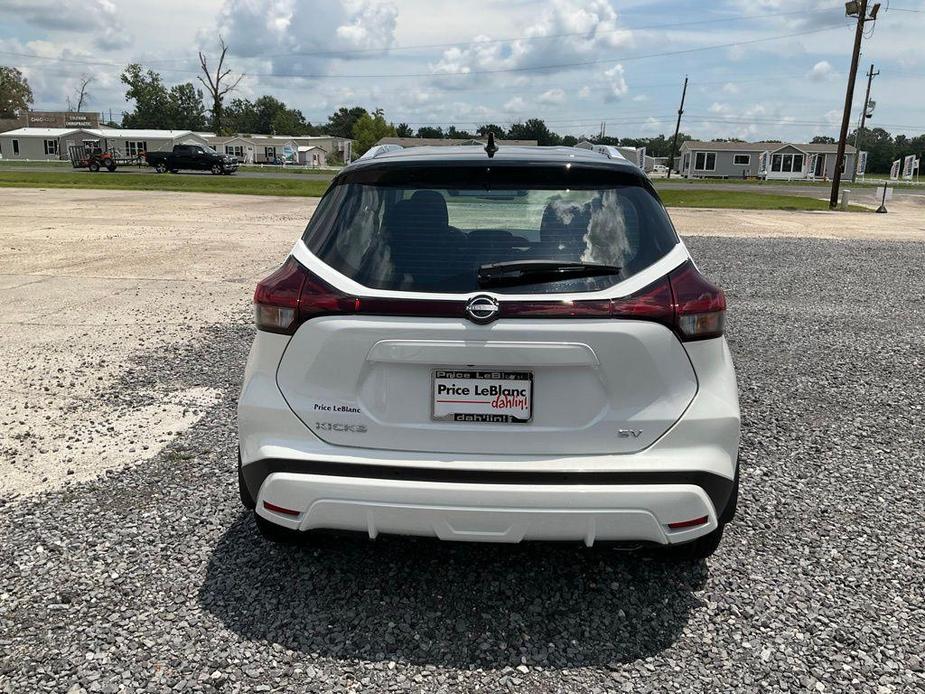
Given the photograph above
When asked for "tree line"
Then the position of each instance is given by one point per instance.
(186, 106)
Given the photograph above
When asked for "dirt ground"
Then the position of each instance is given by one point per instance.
(90, 279)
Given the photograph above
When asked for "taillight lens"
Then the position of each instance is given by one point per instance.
(292, 295)
(683, 301)
(700, 307)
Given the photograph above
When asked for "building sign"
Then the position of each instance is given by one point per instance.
(910, 164)
(62, 119)
(894, 170)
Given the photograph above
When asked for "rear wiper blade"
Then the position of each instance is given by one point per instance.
(517, 272)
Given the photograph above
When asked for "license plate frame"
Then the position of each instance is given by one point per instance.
(521, 379)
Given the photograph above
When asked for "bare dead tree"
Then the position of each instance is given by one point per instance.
(81, 94)
(218, 84)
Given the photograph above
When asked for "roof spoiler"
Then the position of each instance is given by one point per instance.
(376, 150)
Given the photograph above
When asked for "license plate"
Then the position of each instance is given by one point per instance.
(494, 397)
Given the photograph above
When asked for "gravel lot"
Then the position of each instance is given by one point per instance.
(150, 577)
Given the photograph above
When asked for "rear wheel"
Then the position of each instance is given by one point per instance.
(216, 169)
(174, 170)
(94, 166)
(161, 167)
(701, 548)
(110, 165)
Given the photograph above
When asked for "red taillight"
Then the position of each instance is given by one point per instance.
(700, 307)
(683, 301)
(292, 295)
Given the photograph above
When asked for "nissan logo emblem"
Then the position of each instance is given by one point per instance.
(482, 309)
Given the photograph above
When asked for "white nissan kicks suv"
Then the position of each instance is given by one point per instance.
(492, 345)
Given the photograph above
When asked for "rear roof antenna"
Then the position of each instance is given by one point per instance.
(491, 147)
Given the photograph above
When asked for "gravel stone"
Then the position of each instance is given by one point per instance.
(152, 578)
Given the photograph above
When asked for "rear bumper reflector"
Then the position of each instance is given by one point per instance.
(693, 522)
(279, 509)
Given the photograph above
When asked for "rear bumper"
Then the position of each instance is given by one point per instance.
(689, 472)
(488, 508)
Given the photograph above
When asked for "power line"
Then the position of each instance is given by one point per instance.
(471, 73)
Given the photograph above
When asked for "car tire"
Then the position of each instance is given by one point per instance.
(696, 550)
(111, 166)
(94, 166)
(272, 532)
(161, 167)
(216, 169)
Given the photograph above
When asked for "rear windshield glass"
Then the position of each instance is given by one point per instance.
(433, 233)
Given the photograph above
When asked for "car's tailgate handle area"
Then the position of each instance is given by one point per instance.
(482, 353)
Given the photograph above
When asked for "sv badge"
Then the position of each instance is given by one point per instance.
(629, 433)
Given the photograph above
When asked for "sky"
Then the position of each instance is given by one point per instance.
(758, 69)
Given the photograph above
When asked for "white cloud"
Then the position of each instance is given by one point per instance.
(515, 105)
(640, 98)
(584, 92)
(616, 83)
(552, 96)
(591, 24)
(294, 37)
(821, 71)
(98, 17)
(719, 108)
(833, 117)
(730, 88)
(371, 26)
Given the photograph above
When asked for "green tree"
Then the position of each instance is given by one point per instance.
(369, 129)
(187, 111)
(15, 92)
(483, 130)
(880, 147)
(404, 130)
(151, 97)
(428, 131)
(455, 134)
(240, 116)
(534, 129)
(341, 122)
(822, 140)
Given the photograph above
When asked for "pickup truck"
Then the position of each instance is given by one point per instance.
(195, 157)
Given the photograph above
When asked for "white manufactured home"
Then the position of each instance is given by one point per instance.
(770, 160)
(36, 144)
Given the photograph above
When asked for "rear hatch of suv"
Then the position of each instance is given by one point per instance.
(489, 308)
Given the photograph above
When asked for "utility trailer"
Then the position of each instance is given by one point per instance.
(92, 155)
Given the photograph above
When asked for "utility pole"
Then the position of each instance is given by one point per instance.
(677, 129)
(857, 135)
(859, 8)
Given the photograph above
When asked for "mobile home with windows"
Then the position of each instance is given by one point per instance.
(769, 160)
(36, 144)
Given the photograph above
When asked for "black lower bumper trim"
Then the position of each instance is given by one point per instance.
(720, 489)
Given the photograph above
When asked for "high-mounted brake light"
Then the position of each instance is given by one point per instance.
(683, 300)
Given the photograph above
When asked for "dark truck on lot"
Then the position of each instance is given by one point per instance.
(194, 157)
